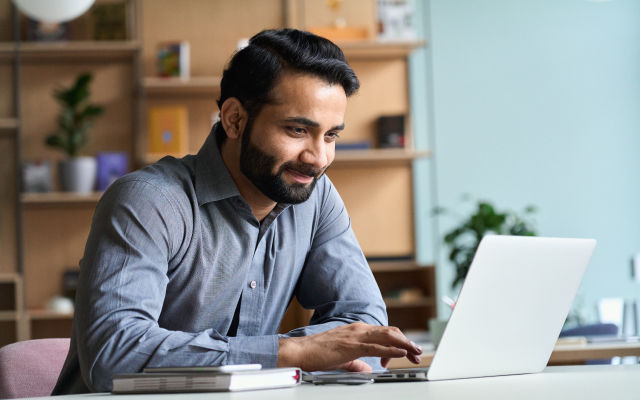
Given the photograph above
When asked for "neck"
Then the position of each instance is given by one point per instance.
(260, 204)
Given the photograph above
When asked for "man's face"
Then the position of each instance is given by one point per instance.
(291, 143)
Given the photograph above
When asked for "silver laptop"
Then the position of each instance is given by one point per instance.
(510, 311)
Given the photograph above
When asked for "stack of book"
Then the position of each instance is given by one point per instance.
(228, 378)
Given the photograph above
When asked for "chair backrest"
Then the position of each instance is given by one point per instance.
(31, 368)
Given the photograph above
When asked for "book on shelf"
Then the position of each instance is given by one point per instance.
(205, 381)
(168, 127)
(109, 21)
(362, 145)
(174, 59)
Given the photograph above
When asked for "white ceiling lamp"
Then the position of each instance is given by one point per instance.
(53, 11)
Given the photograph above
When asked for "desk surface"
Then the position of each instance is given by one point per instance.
(582, 382)
(562, 354)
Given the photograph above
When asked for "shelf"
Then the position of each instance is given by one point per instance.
(70, 50)
(377, 156)
(60, 198)
(8, 124)
(48, 314)
(374, 50)
(349, 158)
(9, 278)
(396, 266)
(9, 316)
(397, 303)
(194, 85)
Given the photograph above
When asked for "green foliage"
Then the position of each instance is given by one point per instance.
(463, 241)
(76, 116)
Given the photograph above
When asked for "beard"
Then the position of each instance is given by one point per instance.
(257, 165)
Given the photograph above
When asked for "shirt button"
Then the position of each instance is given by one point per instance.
(253, 284)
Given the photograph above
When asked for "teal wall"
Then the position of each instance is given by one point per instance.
(533, 102)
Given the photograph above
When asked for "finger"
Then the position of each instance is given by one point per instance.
(357, 366)
(377, 350)
(385, 362)
(414, 358)
(392, 336)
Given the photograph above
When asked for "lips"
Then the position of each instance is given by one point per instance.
(298, 177)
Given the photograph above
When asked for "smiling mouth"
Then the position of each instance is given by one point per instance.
(300, 178)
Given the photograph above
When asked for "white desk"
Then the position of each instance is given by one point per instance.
(582, 382)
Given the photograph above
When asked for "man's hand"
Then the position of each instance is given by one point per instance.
(340, 348)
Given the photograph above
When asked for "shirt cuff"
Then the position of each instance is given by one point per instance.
(254, 350)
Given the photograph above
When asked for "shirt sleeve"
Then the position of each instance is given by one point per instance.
(337, 281)
(136, 233)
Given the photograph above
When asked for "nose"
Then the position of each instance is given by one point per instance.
(315, 153)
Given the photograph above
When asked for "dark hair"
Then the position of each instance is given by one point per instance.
(255, 70)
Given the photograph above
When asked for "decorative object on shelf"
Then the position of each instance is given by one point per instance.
(242, 43)
(70, 283)
(47, 32)
(111, 166)
(109, 21)
(36, 176)
(168, 127)
(361, 145)
(77, 174)
(391, 131)
(174, 59)
(464, 239)
(53, 11)
(339, 31)
(405, 295)
(395, 20)
(60, 305)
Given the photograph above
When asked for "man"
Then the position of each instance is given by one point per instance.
(195, 261)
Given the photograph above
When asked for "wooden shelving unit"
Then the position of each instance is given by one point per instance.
(395, 303)
(378, 157)
(71, 50)
(172, 86)
(378, 50)
(125, 69)
(51, 228)
(413, 313)
(9, 123)
(41, 314)
(11, 308)
(60, 198)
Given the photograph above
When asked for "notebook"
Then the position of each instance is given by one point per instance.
(205, 381)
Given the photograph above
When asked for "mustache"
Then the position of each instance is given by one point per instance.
(304, 169)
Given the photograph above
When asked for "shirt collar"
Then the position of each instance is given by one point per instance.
(213, 180)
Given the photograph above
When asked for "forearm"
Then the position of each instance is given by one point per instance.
(141, 345)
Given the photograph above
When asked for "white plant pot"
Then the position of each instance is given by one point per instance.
(78, 174)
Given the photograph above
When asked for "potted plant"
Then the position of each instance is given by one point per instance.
(464, 240)
(77, 174)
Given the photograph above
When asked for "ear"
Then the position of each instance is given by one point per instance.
(233, 117)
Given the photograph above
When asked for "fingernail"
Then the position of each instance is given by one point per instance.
(418, 358)
(419, 348)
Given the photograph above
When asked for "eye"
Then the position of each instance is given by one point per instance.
(298, 130)
(332, 136)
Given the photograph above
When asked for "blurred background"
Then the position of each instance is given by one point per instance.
(474, 118)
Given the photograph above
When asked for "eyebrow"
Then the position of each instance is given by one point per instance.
(308, 122)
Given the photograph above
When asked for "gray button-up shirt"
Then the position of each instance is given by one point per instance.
(173, 247)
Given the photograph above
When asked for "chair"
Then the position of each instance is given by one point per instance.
(592, 330)
(31, 368)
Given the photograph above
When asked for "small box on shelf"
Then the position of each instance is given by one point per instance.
(167, 130)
